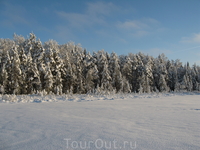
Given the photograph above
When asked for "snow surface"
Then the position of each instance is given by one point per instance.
(132, 121)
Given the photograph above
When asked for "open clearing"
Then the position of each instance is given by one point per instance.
(146, 122)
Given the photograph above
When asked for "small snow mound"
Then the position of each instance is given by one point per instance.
(37, 101)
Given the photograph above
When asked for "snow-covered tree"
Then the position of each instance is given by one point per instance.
(90, 72)
(3, 79)
(91, 76)
(79, 67)
(126, 88)
(162, 84)
(48, 79)
(106, 79)
(139, 73)
(14, 72)
(4, 64)
(160, 73)
(56, 64)
(68, 76)
(127, 71)
(172, 75)
(27, 66)
(115, 72)
(195, 77)
(104, 73)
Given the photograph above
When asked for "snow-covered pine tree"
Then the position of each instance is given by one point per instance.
(144, 73)
(5, 46)
(67, 54)
(162, 84)
(195, 77)
(34, 50)
(58, 86)
(3, 79)
(127, 71)
(171, 75)
(68, 76)
(125, 86)
(106, 79)
(30, 74)
(187, 78)
(48, 79)
(18, 39)
(14, 72)
(149, 80)
(104, 73)
(90, 73)
(23, 66)
(101, 59)
(180, 70)
(139, 74)
(91, 76)
(115, 72)
(134, 77)
(4, 62)
(37, 51)
(33, 79)
(79, 67)
(52, 57)
(160, 73)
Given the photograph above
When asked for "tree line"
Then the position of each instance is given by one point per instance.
(27, 66)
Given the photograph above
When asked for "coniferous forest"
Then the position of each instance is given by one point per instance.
(28, 66)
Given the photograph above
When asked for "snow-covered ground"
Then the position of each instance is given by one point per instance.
(141, 122)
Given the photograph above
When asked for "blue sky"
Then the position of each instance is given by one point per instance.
(153, 27)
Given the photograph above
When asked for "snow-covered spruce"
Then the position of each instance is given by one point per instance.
(27, 67)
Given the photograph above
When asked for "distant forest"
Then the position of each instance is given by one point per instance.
(28, 66)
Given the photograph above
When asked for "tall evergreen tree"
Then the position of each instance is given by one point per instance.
(52, 57)
(14, 72)
(116, 75)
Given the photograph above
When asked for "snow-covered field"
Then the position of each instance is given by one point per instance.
(141, 122)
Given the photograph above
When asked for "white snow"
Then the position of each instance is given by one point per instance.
(132, 121)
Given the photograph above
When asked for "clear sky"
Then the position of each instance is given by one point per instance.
(153, 27)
